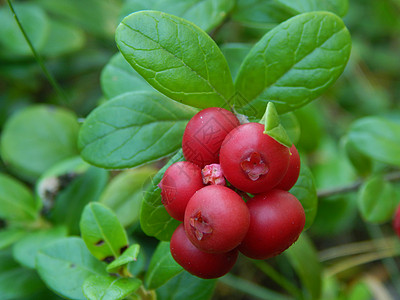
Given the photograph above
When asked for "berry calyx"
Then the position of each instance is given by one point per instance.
(213, 174)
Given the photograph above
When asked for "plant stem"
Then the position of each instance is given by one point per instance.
(38, 58)
(393, 176)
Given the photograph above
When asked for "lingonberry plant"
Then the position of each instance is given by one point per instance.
(191, 171)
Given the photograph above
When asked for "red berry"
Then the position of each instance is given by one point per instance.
(253, 161)
(396, 221)
(276, 220)
(204, 134)
(293, 171)
(179, 183)
(197, 262)
(216, 219)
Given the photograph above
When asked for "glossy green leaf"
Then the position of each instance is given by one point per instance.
(234, 54)
(133, 129)
(16, 201)
(102, 232)
(304, 259)
(64, 266)
(154, 219)
(176, 58)
(291, 124)
(37, 137)
(109, 288)
(162, 267)
(377, 200)
(9, 236)
(293, 64)
(207, 14)
(377, 138)
(118, 77)
(124, 194)
(361, 162)
(35, 23)
(129, 255)
(273, 126)
(71, 201)
(304, 190)
(25, 250)
(16, 282)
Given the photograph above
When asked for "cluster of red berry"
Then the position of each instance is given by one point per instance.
(231, 194)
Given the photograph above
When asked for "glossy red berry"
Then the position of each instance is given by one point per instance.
(253, 161)
(396, 221)
(179, 183)
(293, 171)
(276, 220)
(204, 134)
(216, 219)
(197, 262)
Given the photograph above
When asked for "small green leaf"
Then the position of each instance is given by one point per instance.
(125, 192)
(16, 201)
(148, 127)
(16, 282)
(154, 219)
(162, 267)
(304, 259)
(293, 63)
(37, 137)
(361, 162)
(102, 232)
(118, 77)
(109, 288)
(25, 250)
(176, 58)
(304, 190)
(377, 138)
(377, 200)
(9, 236)
(129, 255)
(273, 126)
(65, 264)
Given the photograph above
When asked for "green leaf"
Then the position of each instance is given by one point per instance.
(154, 219)
(186, 286)
(118, 77)
(273, 126)
(207, 14)
(16, 201)
(234, 54)
(35, 23)
(377, 138)
(65, 265)
(109, 288)
(162, 267)
(102, 232)
(361, 162)
(377, 200)
(293, 64)
(129, 255)
(37, 137)
(148, 127)
(176, 58)
(9, 236)
(291, 124)
(25, 250)
(304, 190)
(338, 7)
(16, 282)
(304, 259)
(125, 192)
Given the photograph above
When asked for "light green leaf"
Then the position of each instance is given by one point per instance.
(304, 259)
(154, 219)
(176, 58)
(162, 267)
(377, 200)
(16, 201)
(129, 255)
(293, 64)
(133, 129)
(102, 232)
(65, 264)
(37, 137)
(377, 138)
(109, 288)
(273, 126)
(25, 250)
(124, 194)
(9, 236)
(118, 77)
(304, 190)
